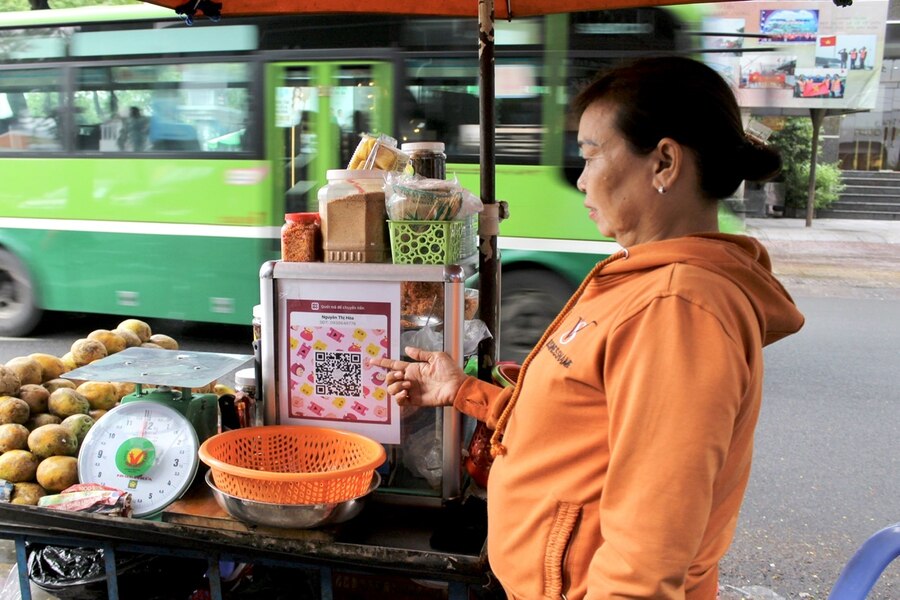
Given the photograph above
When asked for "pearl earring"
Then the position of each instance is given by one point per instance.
(661, 189)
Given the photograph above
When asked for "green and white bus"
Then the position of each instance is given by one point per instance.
(147, 165)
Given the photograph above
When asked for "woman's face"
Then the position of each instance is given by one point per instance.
(617, 183)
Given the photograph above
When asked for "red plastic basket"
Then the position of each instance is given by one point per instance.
(292, 464)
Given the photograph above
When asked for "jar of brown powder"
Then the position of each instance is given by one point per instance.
(354, 221)
(299, 237)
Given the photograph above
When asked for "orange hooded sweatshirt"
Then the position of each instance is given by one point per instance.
(628, 446)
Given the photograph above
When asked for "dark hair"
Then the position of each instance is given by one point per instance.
(687, 101)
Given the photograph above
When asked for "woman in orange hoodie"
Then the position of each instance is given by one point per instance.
(626, 443)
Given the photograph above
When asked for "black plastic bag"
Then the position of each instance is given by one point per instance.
(77, 573)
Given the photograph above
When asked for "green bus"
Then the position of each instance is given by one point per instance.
(147, 165)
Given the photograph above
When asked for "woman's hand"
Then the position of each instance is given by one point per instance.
(433, 381)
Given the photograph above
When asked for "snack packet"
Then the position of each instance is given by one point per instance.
(380, 153)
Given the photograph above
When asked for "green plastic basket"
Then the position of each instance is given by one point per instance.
(425, 242)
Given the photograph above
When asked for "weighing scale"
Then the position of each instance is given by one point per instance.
(148, 444)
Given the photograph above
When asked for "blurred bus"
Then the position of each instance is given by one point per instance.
(147, 165)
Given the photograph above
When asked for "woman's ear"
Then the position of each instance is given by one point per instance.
(669, 156)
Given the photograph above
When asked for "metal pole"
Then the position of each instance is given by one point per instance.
(489, 221)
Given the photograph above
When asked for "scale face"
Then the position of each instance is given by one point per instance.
(144, 448)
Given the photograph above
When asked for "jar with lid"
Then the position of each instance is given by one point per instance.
(300, 237)
(351, 208)
(256, 322)
(427, 159)
(245, 396)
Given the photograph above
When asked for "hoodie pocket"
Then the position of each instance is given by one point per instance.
(564, 521)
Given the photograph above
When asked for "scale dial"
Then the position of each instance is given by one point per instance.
(145, 448)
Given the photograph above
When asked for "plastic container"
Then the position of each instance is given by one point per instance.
(245, 390)
(427, 158)
(300, 237)
(292, 464)
(256, 322)
(351, 208)
(425, 242)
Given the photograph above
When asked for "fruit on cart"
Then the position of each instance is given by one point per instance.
(27, 493)
(123, 389)
(52, 440)
(9, 382)
(66, 402)
(152, 345)
(38, 419)
(163, 340)
(13, 410)
(95, 414)
(220, 389)
(51, 366)
(13, 436)
(137, 327)
(113, 342)
(55, 384)
(85, 351)
(99, 394)
(17, 466)
(130, 337)
(78, 425)
(35, 396)
(56, 473)
(28, 369)
(68, 362)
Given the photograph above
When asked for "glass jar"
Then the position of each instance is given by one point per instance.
(256, 323)
(352, 212)
(245, 398)
(300, 237)
(427, 159)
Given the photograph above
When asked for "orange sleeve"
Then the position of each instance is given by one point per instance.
(675, 382)
(482, 400)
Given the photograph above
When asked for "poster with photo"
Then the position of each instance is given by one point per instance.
(790, 26)
(767, 71)
(329, 335)
(844, 51)
(721, 28)
(820, 83)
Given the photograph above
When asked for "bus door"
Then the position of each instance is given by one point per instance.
(319, 111)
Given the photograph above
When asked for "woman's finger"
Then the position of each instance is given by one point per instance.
(388, 363)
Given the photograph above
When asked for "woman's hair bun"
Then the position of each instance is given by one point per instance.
(757, 161)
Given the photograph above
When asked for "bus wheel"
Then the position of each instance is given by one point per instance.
(18, 311)
(530, 299)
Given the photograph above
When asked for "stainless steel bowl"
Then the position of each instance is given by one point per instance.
(291, 516)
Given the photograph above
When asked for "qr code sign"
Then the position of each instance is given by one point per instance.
(338, 374)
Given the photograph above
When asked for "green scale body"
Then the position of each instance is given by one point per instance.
(202, 410)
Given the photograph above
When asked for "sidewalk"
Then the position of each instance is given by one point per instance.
(824, 230)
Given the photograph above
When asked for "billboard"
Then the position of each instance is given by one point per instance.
(798, 54)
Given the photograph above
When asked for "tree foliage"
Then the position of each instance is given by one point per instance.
(794, 141)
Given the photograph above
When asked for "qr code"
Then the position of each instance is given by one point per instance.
(338, 374)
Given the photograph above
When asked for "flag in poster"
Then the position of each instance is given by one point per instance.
(828, 40)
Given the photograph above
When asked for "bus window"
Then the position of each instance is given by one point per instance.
(30, 116)
(163, 108)
(444, 91)
(297, 107)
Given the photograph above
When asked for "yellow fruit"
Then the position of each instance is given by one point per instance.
(152, 345)
(113, 342)
(79, 425)
(123, 389)
(9, 382)
(28, 369)
(56, 473)
(13, 410)
(18, 465)
(137, 327)
(206, 389)
(27, 493)
(163, 341)
(39, 419)
(13, 436)
(68, 362)
(85, 351)
(51, 366)
(220, 389)
(35, 396)
(65, 402)
(99, 394)
(54, 384)
(96, 413)
(53, 440)
(130, 337)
